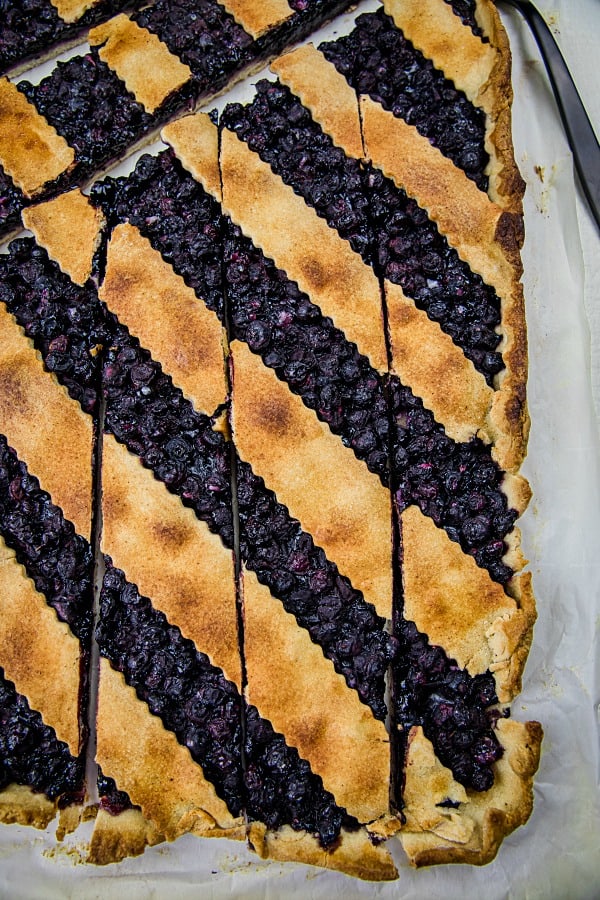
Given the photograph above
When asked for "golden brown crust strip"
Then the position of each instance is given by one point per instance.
(170, 555)
(297, 689)
(69, 228)
(28, 396)
(195, 140)
(472, 833)
(258, 18)
(156, 771)
(38, 653)
(460, 608)
(326, 93)
(31, 151)
(427, 360)
(159, 308)
(72, 10)
(354, 854)
(296, 455)
(140, 59)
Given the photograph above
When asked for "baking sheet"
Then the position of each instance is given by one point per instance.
(557, 853)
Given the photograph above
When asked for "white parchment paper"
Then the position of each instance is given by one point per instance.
(557, 854)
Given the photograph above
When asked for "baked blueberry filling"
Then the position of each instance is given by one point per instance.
(31, 754)
(65, 321)
(412, 253)
(389, 230)
(281, 789)
(112, 799)
(28, 26)
(456, 485)
(12, 201)
(377, 60)
(90, 107)
(57, 559)
(465, 10)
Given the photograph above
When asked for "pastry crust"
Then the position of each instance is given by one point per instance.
(258, 18)
(355, 854)
(69, 228)
(296, 688)
(164, 313)
(157, 772)
(473, 832)
(117, 837)
(427, 360)
(195, 140)
(296, 455)
(31, 151)
(326, 93)
(38, 653)
(72, 10)
(140, 59)
(29, 395)
(170, 555)
(20, 805)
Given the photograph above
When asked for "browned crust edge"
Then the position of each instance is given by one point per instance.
(509, 415)
(354, 854)
(493, 815)
(116, 837)
(20, 805)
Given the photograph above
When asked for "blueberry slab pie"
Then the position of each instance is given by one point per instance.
(268, 547)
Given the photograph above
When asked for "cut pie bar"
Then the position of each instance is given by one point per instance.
(305, 323)
(46, 573)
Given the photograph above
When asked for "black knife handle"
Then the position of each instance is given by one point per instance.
(582, 140)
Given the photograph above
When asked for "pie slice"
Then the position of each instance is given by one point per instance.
(47, 568)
